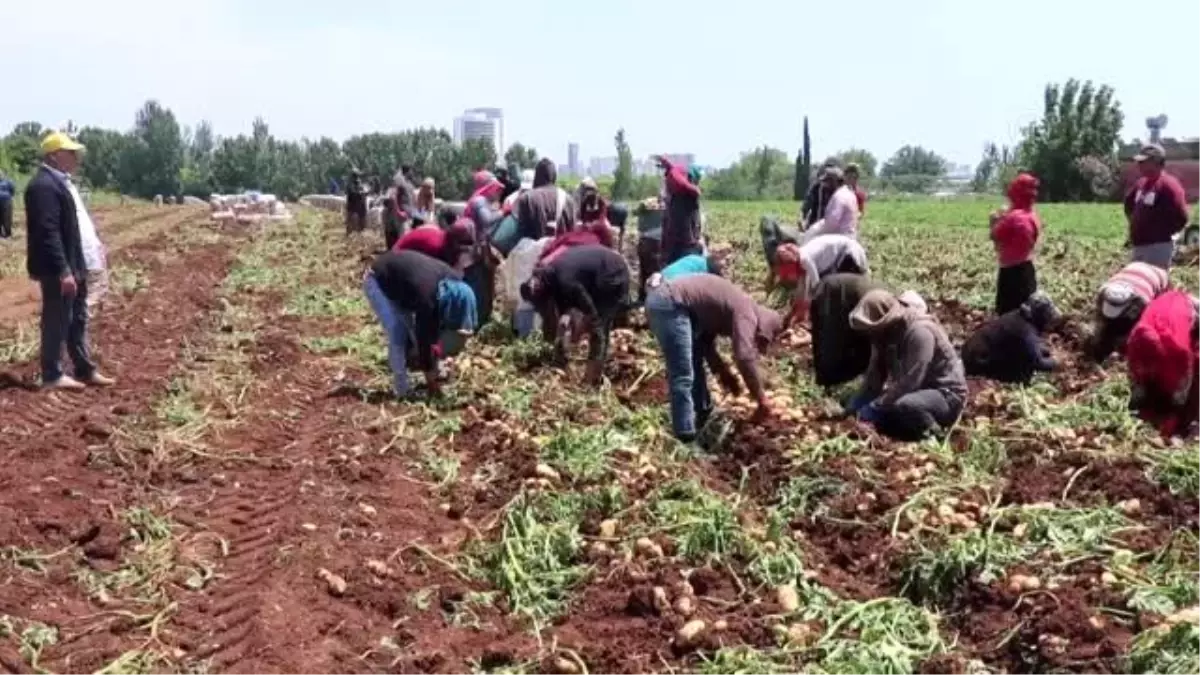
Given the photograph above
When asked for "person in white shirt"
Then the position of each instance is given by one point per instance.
(808, 263)
(841, 214)
(95, 255)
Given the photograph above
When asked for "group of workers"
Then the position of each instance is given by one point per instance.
(426, 287)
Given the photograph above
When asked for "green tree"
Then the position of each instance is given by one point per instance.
(23, 145)
(867, 163)
(102, 162)
(622, 187)
(762, 173)
(520, 157)
(1078, 120)
(803, 169)
(151, 162)
(913, 169)
(996, 167)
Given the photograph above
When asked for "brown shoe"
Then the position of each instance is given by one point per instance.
(65, 382)
(98, 380)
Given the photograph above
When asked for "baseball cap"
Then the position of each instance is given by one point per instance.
(1114, 301)
(1150, 151)
(57, 140)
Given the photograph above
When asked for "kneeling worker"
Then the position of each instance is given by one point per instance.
(1009, 348)
(593, 280)
(422, 299)
(687, 313)
(1164, 364)
(927, 386)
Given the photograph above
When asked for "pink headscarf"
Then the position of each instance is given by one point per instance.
(486, 186)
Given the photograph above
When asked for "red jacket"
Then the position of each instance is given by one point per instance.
(596, 232)
(1157, 209)
(428, 239)
(1016, 232)
(1164, 362)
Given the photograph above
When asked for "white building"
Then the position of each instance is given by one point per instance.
(485, 123)
(573, 159)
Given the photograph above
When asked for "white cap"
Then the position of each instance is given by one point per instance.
(1114, 300)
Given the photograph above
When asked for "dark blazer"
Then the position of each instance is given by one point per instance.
(54, 248)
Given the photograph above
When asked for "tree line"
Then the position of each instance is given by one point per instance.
(1072, 149)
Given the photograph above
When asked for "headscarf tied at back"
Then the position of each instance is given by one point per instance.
(456, 305)
(486, 185)
(1160, 350)
(1022, 191)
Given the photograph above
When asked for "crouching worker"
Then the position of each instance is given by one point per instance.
(1163, 362)
(592, 280)
(687, 314)
(1009, 348)
(773, 236)
(910, 349)
(803, 267)
(1120, 304)
(419, 299)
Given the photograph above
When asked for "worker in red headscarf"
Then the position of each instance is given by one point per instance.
(1164, 364)
(681, 231)
(1015, 233)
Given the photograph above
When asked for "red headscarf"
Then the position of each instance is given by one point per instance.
(1160, 350)
(486, 185)
(1022, 192)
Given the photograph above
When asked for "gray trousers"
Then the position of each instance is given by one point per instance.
(1159, 255)
(64, 320)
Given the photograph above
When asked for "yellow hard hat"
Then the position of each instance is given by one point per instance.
(57, 140)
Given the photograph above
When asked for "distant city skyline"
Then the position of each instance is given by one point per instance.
(487, 123)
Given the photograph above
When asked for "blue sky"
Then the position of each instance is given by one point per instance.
(714, 78)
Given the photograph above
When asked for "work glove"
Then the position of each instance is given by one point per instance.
(856, 403)
(869, 413)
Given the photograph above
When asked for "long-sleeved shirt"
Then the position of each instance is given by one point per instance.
(544, 210)
(7, 189)
(688, 265)
(840, 354)
(404, 197)
(1156, 208)
(1015, 235)
(841, 213)
(815, 201)
(1008, 348)
(593, 280)
(825, 255)
(682, 229)
(720, 308)
(428, 239)
(598, 233)
(410, 280)
(915, 355)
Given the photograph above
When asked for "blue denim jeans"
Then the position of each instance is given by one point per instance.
(397, 325)
(64, 320)
(687, 381)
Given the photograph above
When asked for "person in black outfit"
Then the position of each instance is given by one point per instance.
(818, 196)
(1009, 348)
(419, 299)
(7, 192)
(55, 259)
(356, 203)
(593, 280)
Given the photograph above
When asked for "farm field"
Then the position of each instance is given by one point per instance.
(249, 499)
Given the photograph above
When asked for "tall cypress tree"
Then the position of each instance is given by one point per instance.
(803, 167)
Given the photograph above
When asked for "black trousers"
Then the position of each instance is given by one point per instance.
(919, 414)
(6, 214)
(1014, 285)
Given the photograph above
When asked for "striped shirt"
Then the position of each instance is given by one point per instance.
(1145, 281)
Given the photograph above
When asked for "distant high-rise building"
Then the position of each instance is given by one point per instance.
(485, 123)
(573, 159)
(602, 166)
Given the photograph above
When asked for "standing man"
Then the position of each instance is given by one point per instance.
(545, 209)
(1156, 209)
(57, 259)
(7, 190)
(356, 203)
(817, 198)
(853, 174)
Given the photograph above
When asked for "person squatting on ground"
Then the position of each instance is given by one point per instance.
(1010, 347)
(687, 313)
(912, 355)
(545, 209)
(1164, 364)
(591, 280)
(803, 267)
(1015, 233)
(1120, 304)
(840, 354)
(419, 299)
(61, 250)
(681, 228)
(356, 203)
(841, 211)
(773, 236)
(7, 192)
(1156, 208)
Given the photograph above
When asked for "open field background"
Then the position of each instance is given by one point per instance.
(248, 499)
